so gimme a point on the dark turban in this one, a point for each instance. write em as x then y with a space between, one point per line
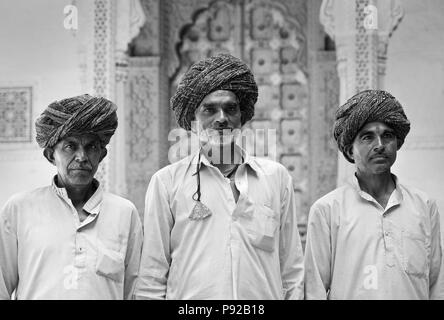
220 72
78 115
365 107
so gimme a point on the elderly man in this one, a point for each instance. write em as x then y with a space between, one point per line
373 238
71 240
220 224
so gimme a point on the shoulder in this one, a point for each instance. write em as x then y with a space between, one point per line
119 203
418 197
30 197
172 170
333 199
268 166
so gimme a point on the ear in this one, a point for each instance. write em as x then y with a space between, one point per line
104 153
349 152
49 155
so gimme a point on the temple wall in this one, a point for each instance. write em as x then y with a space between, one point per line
40 61
415 75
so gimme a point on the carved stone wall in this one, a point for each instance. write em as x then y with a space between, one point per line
15 114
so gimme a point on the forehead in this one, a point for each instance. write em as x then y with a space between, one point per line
81 138
219 96
376 126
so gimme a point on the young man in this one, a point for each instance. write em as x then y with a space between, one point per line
374 238
220 224
71 240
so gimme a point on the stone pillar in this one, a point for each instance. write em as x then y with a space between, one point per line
128 18
361 30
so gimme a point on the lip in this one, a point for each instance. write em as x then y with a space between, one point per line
379 157
80 169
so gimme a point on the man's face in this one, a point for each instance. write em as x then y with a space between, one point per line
374 148
218 115
77 159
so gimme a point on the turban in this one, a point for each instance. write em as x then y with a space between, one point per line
365 107
77 115
220 72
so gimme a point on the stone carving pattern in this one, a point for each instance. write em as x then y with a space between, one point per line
15 114
365 40
102 26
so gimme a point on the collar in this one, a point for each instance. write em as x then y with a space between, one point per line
247 159
92 206
395 198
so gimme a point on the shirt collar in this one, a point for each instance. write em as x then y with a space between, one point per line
92 206
395 198
247 159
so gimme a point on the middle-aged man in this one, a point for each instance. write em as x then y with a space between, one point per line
373 238
71 240
220 224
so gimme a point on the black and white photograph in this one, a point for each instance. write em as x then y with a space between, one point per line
221 150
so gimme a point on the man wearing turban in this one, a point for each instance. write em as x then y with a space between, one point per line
220 223
374 238
71 240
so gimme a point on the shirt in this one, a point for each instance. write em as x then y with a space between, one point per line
47 253
356 249
245 250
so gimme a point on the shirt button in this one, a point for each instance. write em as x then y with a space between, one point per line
386 233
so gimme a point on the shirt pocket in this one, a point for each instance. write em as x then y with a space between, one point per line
415 254
261 228
110 264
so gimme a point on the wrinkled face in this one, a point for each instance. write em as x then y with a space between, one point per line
77 159
218 115
374 148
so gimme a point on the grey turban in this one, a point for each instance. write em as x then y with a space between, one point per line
364 107
220 72
77 115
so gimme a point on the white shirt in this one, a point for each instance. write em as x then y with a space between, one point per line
245 250
356 249
47 253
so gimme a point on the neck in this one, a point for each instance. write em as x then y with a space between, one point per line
223 157
79 195
377 185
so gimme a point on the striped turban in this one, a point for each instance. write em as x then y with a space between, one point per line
77 115
220 72
365 107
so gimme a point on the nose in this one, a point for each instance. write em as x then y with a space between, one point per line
221 118
379 144
80 155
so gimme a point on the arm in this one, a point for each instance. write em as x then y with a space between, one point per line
290 249
317 260
133 252
8 251
156 255
436 274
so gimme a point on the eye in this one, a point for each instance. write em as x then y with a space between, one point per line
69 146
366 137
389 135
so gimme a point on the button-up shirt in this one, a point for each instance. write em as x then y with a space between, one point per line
356 249
47 253
245 250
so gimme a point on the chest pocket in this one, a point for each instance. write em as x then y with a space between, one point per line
261 226
110 264
415 254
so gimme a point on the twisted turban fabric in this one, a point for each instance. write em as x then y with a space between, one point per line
78 115
220 72
365 107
